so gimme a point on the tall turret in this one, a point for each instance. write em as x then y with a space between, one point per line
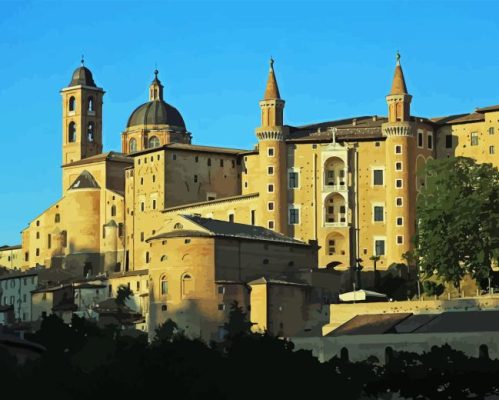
400 164
272 157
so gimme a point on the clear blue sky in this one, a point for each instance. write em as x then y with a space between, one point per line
333 60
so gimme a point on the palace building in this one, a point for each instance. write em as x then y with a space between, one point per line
311 196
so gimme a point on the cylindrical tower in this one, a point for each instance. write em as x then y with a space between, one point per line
400 147
272 174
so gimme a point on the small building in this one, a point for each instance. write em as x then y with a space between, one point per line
199 266
11 257
15 291
58 300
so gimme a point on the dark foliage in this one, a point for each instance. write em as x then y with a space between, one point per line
83 361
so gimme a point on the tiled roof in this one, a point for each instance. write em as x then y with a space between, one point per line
225 229
191 147
488 109
459 119
110 156
14 247
370 324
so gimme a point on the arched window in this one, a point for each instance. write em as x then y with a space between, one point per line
483 352
72 104
389 355
90 103
72 132
187 285
113 211
132 145
344 354
153 142
164 286
178 225
163 258
90 131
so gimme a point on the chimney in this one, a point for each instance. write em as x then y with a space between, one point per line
354 121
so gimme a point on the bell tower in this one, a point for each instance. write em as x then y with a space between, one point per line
271 136
81 117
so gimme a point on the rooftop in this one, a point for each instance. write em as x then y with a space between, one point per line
190 147
109 156
225 229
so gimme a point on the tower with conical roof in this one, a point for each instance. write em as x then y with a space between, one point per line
271 136
81 117
400 164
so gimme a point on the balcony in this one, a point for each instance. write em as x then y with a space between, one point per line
337 222
337 186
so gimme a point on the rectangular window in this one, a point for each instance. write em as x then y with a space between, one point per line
141 236
379 247
379 213
399 201
474 139
491 130
221 290
377 177
294 216
270 152
174 157
398 183
221 307
195 178
154 204
253 217
270 224
400 221
221 163
398 149
400 239
142 206
420 139
231 217
398 166
492 150
270 170
448 141
430 141
37 252
270 205
209 162
270 188
293 180
49 241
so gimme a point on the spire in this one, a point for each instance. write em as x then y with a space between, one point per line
156 88
272 90
398 85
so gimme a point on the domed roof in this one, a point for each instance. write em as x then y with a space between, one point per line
82 76
156 112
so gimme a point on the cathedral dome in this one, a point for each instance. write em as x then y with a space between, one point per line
156 112
82 76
